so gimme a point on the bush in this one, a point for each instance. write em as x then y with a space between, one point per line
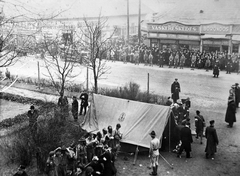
18 148
131 91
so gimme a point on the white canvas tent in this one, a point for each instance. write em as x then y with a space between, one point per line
137 119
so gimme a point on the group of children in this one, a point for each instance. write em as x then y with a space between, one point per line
94 154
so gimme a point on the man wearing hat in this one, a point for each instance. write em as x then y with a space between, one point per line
21 171
33 116
175 89
186 139
212 140
154 152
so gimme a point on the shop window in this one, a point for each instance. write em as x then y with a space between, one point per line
225 48
235 49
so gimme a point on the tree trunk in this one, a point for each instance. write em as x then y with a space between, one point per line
96 85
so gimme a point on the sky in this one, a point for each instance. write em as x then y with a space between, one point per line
73 8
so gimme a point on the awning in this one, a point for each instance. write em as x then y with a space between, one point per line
208 36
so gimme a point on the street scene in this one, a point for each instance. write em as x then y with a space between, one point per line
122 88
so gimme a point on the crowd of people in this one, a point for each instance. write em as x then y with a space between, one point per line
181 58
180 110
94 154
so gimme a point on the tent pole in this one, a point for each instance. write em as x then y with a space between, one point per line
136 154
169 136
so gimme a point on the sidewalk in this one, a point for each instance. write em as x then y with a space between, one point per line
44 94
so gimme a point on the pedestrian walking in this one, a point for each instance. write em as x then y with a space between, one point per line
230 116
186 140
199 124
212 140
154 152
75 108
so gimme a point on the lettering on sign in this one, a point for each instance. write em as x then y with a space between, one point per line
215 29
173 27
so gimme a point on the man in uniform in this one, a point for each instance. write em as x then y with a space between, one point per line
175 89
154 152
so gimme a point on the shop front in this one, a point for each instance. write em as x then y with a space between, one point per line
174 35
216 37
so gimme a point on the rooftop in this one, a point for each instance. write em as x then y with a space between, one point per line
200 12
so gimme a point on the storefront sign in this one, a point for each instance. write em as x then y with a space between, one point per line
173 27
236 29
215 29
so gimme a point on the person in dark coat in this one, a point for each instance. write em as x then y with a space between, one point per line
175 89
212 140
33 116
237 94
215 71
84 102
230 117
186 139
199 124
161 59
75 108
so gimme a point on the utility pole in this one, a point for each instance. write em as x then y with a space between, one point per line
127 21
147 86
38 75
87 79
139 23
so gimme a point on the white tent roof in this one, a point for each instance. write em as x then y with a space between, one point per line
137 119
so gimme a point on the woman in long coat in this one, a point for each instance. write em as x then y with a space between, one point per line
230 117
212 140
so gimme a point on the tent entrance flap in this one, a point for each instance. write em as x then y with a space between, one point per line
137 119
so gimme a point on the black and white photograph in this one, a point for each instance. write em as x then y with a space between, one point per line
119 87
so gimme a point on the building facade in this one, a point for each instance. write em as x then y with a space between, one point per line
208 37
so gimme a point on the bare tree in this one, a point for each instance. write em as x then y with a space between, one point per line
96 41
60 57
18 30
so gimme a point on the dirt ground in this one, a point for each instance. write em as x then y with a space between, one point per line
207 94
